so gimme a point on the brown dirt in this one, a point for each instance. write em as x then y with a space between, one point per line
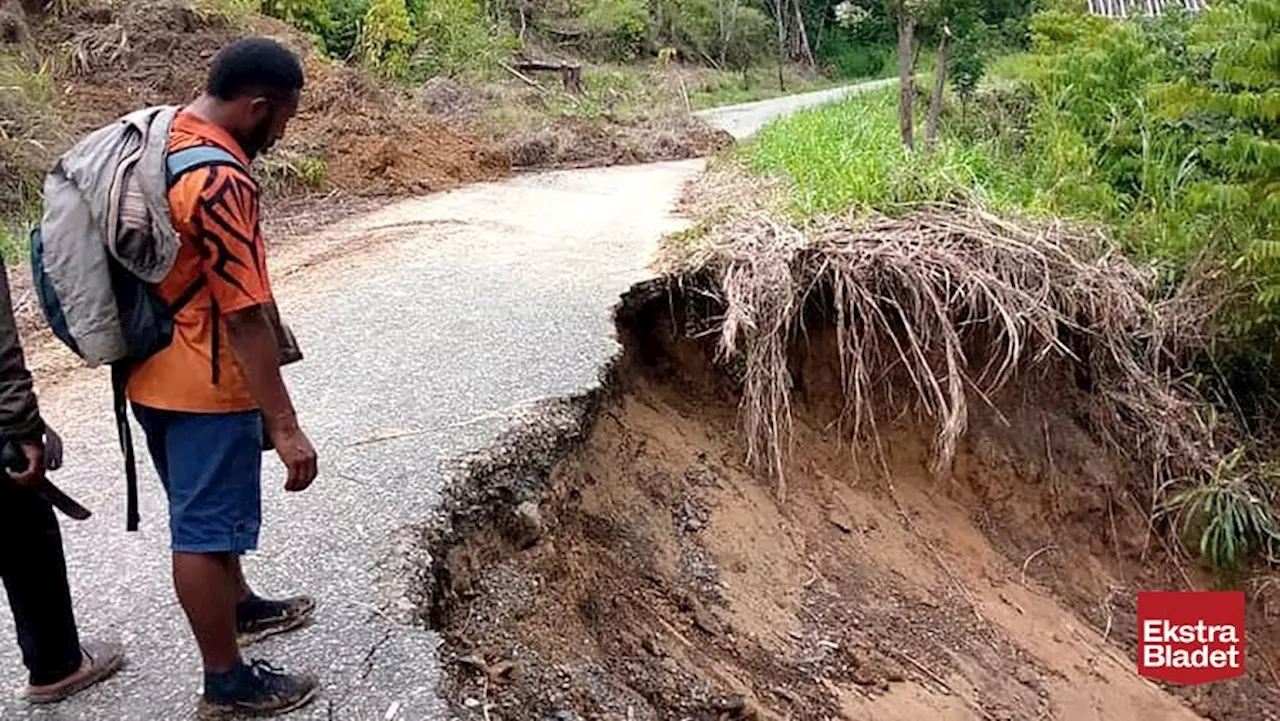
637 568
371 136
537 132
587 142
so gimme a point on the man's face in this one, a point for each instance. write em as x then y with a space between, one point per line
266 118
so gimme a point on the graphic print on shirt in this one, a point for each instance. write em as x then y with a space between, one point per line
223 233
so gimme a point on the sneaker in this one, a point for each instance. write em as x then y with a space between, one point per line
99 661
254 690
257 618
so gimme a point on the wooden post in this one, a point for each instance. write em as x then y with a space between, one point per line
939 87
906 77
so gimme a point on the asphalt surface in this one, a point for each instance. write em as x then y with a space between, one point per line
424 324
469 305
742 121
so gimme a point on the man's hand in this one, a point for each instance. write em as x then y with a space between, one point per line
33 475
297 454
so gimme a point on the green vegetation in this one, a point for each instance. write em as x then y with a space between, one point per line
28 124
850 154
287 170
1165 130
417 39
1231 516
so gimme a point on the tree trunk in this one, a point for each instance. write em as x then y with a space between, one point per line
939 85
727 36
906 78
781 16
805 51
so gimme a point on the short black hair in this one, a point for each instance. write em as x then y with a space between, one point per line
253 64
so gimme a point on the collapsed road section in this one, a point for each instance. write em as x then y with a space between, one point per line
868 477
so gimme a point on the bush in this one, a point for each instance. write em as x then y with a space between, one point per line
753 38
386 38
860 42
690 24
344 33
453 36
852 59
1227 101
1174 124
617 29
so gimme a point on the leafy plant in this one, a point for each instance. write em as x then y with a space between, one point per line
1234 109
1233 512
311 16
344 32
386 38
453 36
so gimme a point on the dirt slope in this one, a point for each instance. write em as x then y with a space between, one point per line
651 575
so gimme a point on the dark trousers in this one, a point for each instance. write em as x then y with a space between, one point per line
35 577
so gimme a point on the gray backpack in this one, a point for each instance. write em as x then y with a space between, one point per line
105 239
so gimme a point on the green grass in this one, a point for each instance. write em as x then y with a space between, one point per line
850 154
30 131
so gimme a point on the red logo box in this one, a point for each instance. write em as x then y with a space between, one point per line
1191 637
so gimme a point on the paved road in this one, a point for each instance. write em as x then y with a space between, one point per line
430 319
474 302
742 121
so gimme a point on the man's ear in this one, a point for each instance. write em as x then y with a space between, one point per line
259 108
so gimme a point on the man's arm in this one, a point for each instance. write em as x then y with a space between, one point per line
253 341
19 412
235 270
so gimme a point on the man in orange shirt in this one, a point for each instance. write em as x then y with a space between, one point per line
203 400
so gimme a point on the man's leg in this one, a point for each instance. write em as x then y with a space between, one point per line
206 587
35 577
212 471
243 592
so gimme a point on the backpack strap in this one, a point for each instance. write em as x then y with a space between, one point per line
180 162
120 371
119 382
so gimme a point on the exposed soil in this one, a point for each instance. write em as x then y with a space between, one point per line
520 122
624 563
588 142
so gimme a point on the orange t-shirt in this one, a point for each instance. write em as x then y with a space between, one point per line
215 211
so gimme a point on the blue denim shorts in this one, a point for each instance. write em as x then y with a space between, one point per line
211 468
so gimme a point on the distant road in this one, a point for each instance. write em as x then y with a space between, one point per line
742 121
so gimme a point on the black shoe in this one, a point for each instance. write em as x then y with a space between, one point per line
254 690
258 618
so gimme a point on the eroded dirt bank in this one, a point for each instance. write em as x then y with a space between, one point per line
621 561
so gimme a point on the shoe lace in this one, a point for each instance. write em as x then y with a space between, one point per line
268 674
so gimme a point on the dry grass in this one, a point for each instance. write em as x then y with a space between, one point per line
953 302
